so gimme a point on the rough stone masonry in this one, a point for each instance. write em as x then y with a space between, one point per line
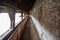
47 12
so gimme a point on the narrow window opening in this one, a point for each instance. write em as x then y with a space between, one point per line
17 18
4 23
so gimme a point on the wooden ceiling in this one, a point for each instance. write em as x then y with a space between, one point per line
25 5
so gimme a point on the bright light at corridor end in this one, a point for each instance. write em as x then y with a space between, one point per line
43 33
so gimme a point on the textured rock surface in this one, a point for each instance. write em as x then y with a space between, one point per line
47 12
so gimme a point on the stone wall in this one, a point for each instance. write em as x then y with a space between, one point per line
47 12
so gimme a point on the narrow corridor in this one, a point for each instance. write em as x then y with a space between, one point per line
30 32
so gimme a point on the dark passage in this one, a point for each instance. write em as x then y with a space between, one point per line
29 32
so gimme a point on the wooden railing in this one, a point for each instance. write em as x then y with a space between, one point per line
16 33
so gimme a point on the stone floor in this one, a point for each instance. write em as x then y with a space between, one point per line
29 32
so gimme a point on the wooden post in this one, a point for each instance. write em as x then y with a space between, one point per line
12 18
22 15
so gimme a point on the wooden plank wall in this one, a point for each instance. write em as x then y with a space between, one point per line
17 33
